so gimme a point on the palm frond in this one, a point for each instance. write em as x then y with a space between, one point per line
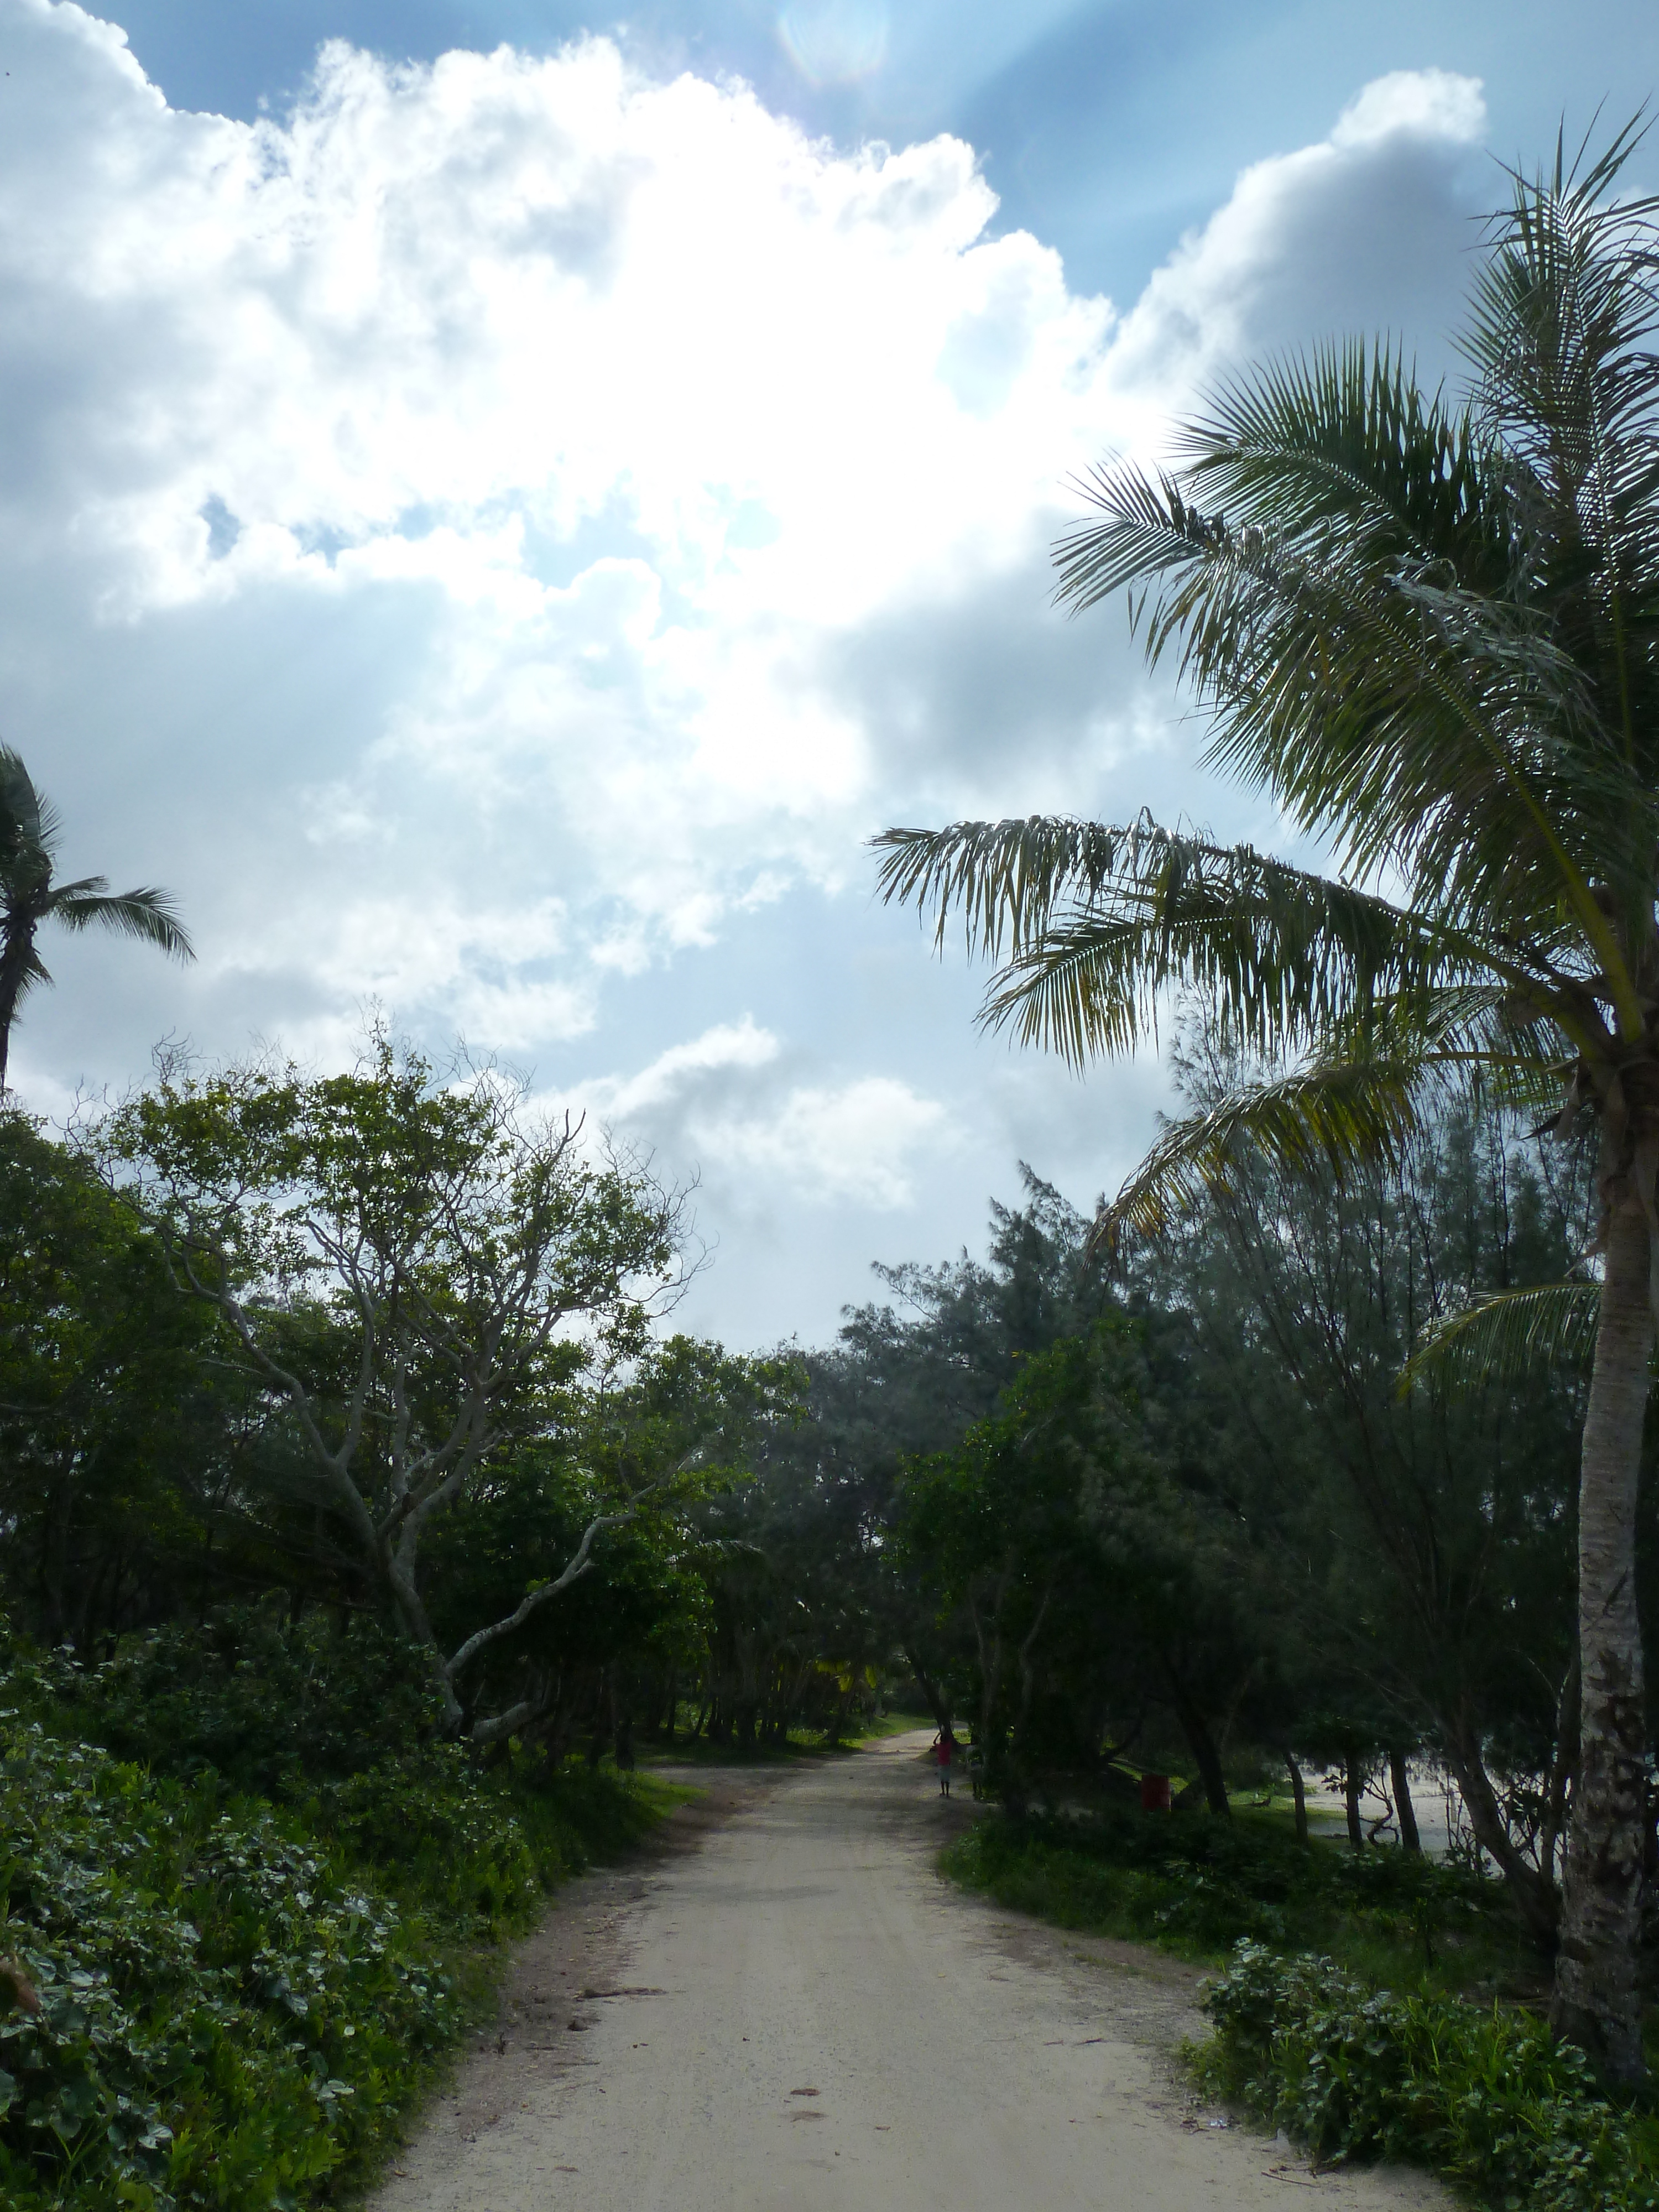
27 819
1339 1116
1507 1336
1342 621
1566 306
1096 925
1148 529
146 913
32 971
1342 436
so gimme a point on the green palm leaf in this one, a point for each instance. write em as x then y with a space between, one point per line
1340 1115
148 913
1506 1336
1100 924
29 831
26 820
1337 621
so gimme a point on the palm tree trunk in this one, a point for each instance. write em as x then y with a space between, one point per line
1596 2003
13 957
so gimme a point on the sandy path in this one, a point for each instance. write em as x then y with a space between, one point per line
799 2016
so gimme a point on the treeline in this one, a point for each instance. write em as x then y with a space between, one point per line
377 1347
381 1349
1180 1504
352 1470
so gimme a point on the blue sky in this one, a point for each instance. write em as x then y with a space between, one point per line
497 510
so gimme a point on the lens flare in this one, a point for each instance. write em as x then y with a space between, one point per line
834 41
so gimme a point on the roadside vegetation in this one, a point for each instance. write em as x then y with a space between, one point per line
236 1956
1484 2093
1370 2004
1196 1887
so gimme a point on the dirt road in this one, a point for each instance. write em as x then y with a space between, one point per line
799 2016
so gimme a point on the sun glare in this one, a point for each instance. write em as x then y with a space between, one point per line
834 41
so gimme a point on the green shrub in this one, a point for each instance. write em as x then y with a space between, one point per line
1483 2095
225 2017
273 1706
238 2000
437 1833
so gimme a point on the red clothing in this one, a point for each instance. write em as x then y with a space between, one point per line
945 1754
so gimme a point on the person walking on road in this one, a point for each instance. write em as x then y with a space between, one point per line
942 1751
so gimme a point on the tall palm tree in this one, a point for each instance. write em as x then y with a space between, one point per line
29 830
1430 631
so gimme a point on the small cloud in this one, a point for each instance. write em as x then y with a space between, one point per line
684 1067
857 1141
1432 102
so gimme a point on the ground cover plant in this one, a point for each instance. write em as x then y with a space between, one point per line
1483 2094
216 1997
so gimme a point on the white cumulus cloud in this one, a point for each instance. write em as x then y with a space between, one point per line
501 537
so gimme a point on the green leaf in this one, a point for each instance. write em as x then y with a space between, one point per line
1341 1114
1507 1335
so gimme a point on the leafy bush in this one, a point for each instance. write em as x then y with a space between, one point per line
223 2018
1482 2094
208 2000
273 1707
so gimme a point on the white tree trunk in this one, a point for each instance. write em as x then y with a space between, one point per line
1596 2003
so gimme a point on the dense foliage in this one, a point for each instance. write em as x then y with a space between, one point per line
218 1998
1484 2093
1198 1885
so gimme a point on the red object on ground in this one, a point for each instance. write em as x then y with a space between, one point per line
1154 1793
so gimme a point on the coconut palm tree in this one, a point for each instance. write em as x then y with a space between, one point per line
29 830
1430 631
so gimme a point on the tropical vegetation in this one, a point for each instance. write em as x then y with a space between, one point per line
1427 629
30 894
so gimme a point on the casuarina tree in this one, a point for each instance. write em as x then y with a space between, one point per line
1430 631
29 831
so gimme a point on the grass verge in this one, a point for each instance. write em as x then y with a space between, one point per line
1196 1886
